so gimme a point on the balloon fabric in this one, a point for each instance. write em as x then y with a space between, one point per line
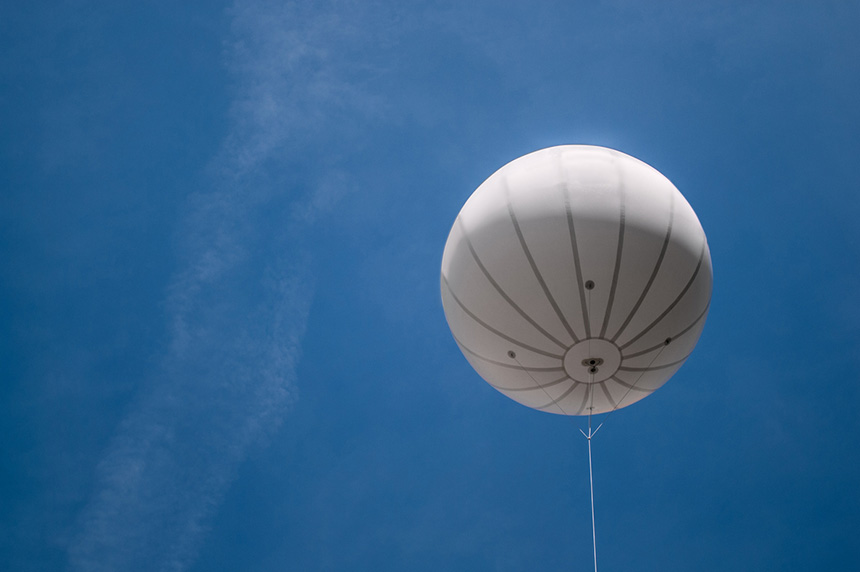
576 280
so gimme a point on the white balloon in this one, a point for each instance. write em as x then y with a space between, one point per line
576 279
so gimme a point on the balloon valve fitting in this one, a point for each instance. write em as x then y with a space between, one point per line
592 363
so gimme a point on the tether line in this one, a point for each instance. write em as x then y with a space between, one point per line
591 487
588 436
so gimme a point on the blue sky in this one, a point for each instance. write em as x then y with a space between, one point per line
221 336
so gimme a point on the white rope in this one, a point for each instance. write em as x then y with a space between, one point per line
591 471
590 434
588 437
591 484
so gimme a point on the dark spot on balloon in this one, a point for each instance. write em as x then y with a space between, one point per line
512 354
668 340
589 285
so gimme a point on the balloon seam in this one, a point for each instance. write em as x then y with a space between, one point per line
673 337
655 271
501 364
502 293
534 268
617 266
576 263
674 303
492 329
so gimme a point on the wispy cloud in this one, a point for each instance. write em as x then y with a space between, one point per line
239 305
300 66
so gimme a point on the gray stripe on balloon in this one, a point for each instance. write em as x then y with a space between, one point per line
655 367
614 285
619 381
502 364
492 329
534 267
671 338
656 268
606 393
677 299
502 293
576 263
536 387
563 395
